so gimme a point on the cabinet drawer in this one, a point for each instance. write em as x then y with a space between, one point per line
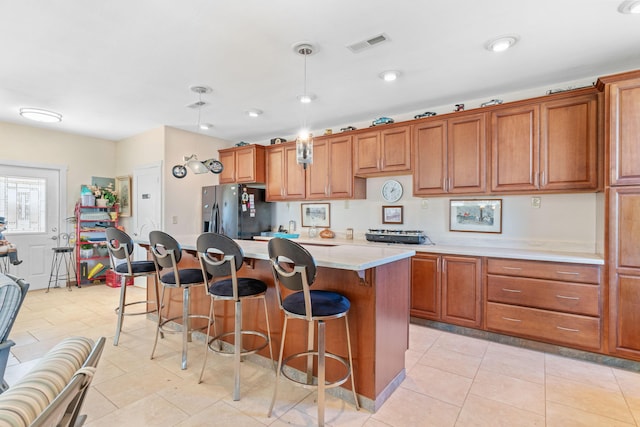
561 296
545 270
561 328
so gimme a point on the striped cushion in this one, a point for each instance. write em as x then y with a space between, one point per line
10 295
24 401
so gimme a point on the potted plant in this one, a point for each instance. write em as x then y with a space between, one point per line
105 196
86 248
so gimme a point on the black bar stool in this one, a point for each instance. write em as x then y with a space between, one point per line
120 246
221 257
167 253
295 269
62 264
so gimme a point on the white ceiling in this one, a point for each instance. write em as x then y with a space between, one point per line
117 68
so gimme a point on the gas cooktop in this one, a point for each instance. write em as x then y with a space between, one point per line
416 237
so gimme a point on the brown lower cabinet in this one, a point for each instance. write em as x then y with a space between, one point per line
447 288
559 303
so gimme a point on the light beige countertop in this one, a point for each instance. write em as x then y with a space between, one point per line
343 256
487 251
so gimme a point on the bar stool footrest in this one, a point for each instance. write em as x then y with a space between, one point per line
164 322
137 313
305 384
244 352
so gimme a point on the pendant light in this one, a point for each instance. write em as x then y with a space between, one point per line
304 141
200 90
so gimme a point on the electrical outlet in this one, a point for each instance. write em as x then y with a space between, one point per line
174 219
346 204
535 202
424 204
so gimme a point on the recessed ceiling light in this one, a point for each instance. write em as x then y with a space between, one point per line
254 112
502 43
205 126
40 115
307 98
390 76
629 6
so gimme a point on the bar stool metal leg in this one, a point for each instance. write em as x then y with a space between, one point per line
123 297
186 325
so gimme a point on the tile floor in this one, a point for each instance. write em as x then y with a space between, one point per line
451 380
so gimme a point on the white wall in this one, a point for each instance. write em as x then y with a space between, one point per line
564 222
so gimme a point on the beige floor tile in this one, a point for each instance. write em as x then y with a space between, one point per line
96 405
563 416
151 411
222 415
580 371
421 338
436 383
515 362
512 391
629 383
462 344
406 408
481 412
462 364
588 398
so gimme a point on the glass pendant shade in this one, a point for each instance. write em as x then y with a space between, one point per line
304 149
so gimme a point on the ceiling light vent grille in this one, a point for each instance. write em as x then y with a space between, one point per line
366 44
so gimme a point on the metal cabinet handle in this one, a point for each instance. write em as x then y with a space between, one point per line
573 273
516 291
512 268
567 329
565 297
511 319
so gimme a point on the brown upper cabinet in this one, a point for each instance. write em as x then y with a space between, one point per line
285 177
331 173
548 145
622 127
450 155
241 165
382 152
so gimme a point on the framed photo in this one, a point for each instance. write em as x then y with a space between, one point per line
482 216
123 187
318 214
392 215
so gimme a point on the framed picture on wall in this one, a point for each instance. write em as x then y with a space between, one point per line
482 216
123 187
392 215
318 214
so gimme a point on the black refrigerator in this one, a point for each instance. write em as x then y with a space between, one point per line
235 210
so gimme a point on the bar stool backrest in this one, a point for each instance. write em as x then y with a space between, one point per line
166 252
120 246
293 267
219 255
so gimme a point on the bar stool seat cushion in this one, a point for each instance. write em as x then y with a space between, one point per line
246 287
188 276
323 303
137 267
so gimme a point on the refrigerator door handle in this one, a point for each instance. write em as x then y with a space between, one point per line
214 224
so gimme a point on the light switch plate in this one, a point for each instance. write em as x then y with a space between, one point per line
424 204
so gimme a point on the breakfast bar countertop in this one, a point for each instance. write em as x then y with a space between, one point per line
342 256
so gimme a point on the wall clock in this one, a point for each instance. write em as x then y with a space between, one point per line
391 191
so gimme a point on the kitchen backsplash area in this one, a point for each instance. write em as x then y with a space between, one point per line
562 222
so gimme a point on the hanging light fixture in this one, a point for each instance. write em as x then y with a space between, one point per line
304 141
200 90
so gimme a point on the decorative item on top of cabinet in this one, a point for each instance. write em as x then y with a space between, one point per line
383 152
546 301
242 165
450 156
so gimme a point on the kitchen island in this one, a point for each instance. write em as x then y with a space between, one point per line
375 279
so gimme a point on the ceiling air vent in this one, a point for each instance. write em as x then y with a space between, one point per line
366 44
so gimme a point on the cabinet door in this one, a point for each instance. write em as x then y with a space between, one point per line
430 165
366 153
514 148
275 174
624 265
250 164
294 183
461 291
317 179
228 174
467 154
341 185
425 286
395 144
624 132
568 143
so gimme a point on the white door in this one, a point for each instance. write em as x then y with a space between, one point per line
31 200
147 203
